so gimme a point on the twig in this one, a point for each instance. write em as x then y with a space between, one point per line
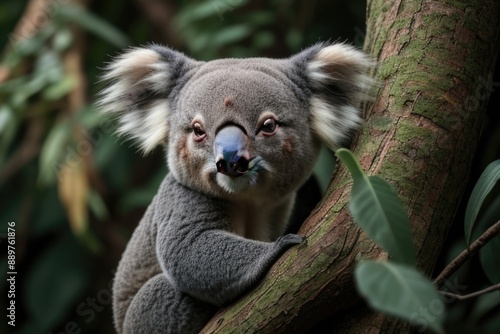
466 254
470 295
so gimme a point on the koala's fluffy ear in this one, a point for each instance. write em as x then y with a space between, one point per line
139 83
339 83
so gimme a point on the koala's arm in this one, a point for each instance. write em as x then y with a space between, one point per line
197 253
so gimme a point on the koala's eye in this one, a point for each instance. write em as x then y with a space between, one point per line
269 127
198 132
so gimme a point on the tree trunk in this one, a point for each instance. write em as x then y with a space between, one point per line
436 60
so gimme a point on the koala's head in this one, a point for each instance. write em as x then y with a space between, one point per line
238 127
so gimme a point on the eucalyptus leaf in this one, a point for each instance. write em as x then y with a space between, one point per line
26 45
62 39
89 117
486 182
60 88
376 208
489 217
8 130
200 11
401 291
6 117
489 254
10 86
97 205
49 66
52 151
33 85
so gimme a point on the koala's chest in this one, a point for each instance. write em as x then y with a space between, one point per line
259 221
250 221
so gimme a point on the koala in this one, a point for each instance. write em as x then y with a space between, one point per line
240 137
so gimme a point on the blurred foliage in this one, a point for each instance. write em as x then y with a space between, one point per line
74 191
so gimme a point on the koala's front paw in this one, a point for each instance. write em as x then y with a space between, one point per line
290 240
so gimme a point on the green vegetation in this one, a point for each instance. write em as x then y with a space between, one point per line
75 192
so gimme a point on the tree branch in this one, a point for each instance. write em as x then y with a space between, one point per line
453 266
417 135
471 295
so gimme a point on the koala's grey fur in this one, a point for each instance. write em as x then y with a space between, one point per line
208 237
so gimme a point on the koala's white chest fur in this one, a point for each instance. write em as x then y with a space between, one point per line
263 220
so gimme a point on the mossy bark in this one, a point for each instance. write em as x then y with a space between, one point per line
436 60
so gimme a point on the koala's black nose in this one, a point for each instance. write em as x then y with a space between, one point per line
231 154
237 168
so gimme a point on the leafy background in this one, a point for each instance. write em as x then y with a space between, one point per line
76 192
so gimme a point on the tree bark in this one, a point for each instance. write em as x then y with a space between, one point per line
436 60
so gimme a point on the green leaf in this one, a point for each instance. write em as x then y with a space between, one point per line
13 85
10 127
94 24
97 205
401 291
33 85
489 254
351 163
231 34
52 151
196 12
62 39
377 209
49 65
55 282
6 117
193 13
29 45
89 118
490 216
486 182
60 88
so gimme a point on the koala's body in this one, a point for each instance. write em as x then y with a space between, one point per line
241 136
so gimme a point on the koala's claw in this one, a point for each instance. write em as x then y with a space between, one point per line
290 240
